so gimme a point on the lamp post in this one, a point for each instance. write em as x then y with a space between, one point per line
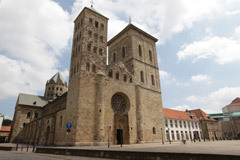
19 136
169 136
109 128
162 135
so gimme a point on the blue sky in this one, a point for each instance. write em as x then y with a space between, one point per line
198 47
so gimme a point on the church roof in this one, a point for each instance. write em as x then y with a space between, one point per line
32 100
128 27
57 78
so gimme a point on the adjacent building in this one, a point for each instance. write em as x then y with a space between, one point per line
121 99
181 125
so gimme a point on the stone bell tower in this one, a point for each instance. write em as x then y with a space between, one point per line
87 70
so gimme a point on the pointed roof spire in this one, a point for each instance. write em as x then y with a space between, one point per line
58 78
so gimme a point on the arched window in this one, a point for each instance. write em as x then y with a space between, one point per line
94 68
24 124
150 56
114 57
36 115
28 114
90 20
123 52
90 33
89 47
60 122
154 130
101 38
141 76
87 66
152 77
125 78
130 80
100 51
140 50
117 75
110 73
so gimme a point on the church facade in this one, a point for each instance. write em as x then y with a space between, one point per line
120 100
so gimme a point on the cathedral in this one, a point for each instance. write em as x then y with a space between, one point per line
113 91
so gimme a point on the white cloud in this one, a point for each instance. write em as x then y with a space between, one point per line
201 78
215 101
34 35
160 18
182 108
222 49
230 13
164 74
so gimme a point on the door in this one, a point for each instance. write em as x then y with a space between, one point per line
119 136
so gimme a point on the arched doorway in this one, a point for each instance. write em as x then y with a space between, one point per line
120 105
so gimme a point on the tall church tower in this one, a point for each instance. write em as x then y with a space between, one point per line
87 70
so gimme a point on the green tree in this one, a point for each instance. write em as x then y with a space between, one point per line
6 122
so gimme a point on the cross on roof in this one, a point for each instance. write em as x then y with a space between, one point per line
91 1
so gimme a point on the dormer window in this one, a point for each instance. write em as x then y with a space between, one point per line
34 102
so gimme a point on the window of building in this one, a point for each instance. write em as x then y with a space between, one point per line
87 66
192 125
130 79
36 115
89 47
101 38
166 122
102 26
125 78
60 89
176 123
186 133
28 114
94 49
114 57
153 82
180 124
57 88
96 24
196 125
178 135
140 50
171 123
173 136
150 56
24 124
90 34
123 52
49 88
90 21
110 73
94 68
184 123
141 76
117 75
52 88
188 124
56 95
100 51
154 130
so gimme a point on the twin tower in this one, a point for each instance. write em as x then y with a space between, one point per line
121 99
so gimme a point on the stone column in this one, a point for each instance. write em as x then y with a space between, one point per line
99 111
139 116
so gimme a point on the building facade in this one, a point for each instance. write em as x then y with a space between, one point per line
121 99
180 125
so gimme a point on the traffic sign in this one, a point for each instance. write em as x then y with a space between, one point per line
69 125
68 130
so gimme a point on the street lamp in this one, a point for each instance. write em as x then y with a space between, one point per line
19 136
162 135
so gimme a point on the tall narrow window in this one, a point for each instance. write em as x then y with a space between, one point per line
125 78
90 34
102 26
140 50
87 66
95 36
154 130
123 52
95 50
36 115
114 57
90 21
28 114
96 24
130 80
60 122
117 75
152 77
100 51
94 68
110 73
89 47
141 76
150 56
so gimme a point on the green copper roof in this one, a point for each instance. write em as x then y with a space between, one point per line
32 100
58 78
236 114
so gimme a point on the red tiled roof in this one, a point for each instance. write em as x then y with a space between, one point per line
175 114
6 128
200 113
235 102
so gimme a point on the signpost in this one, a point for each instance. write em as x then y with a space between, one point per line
68 125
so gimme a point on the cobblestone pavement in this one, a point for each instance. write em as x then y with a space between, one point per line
7 155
